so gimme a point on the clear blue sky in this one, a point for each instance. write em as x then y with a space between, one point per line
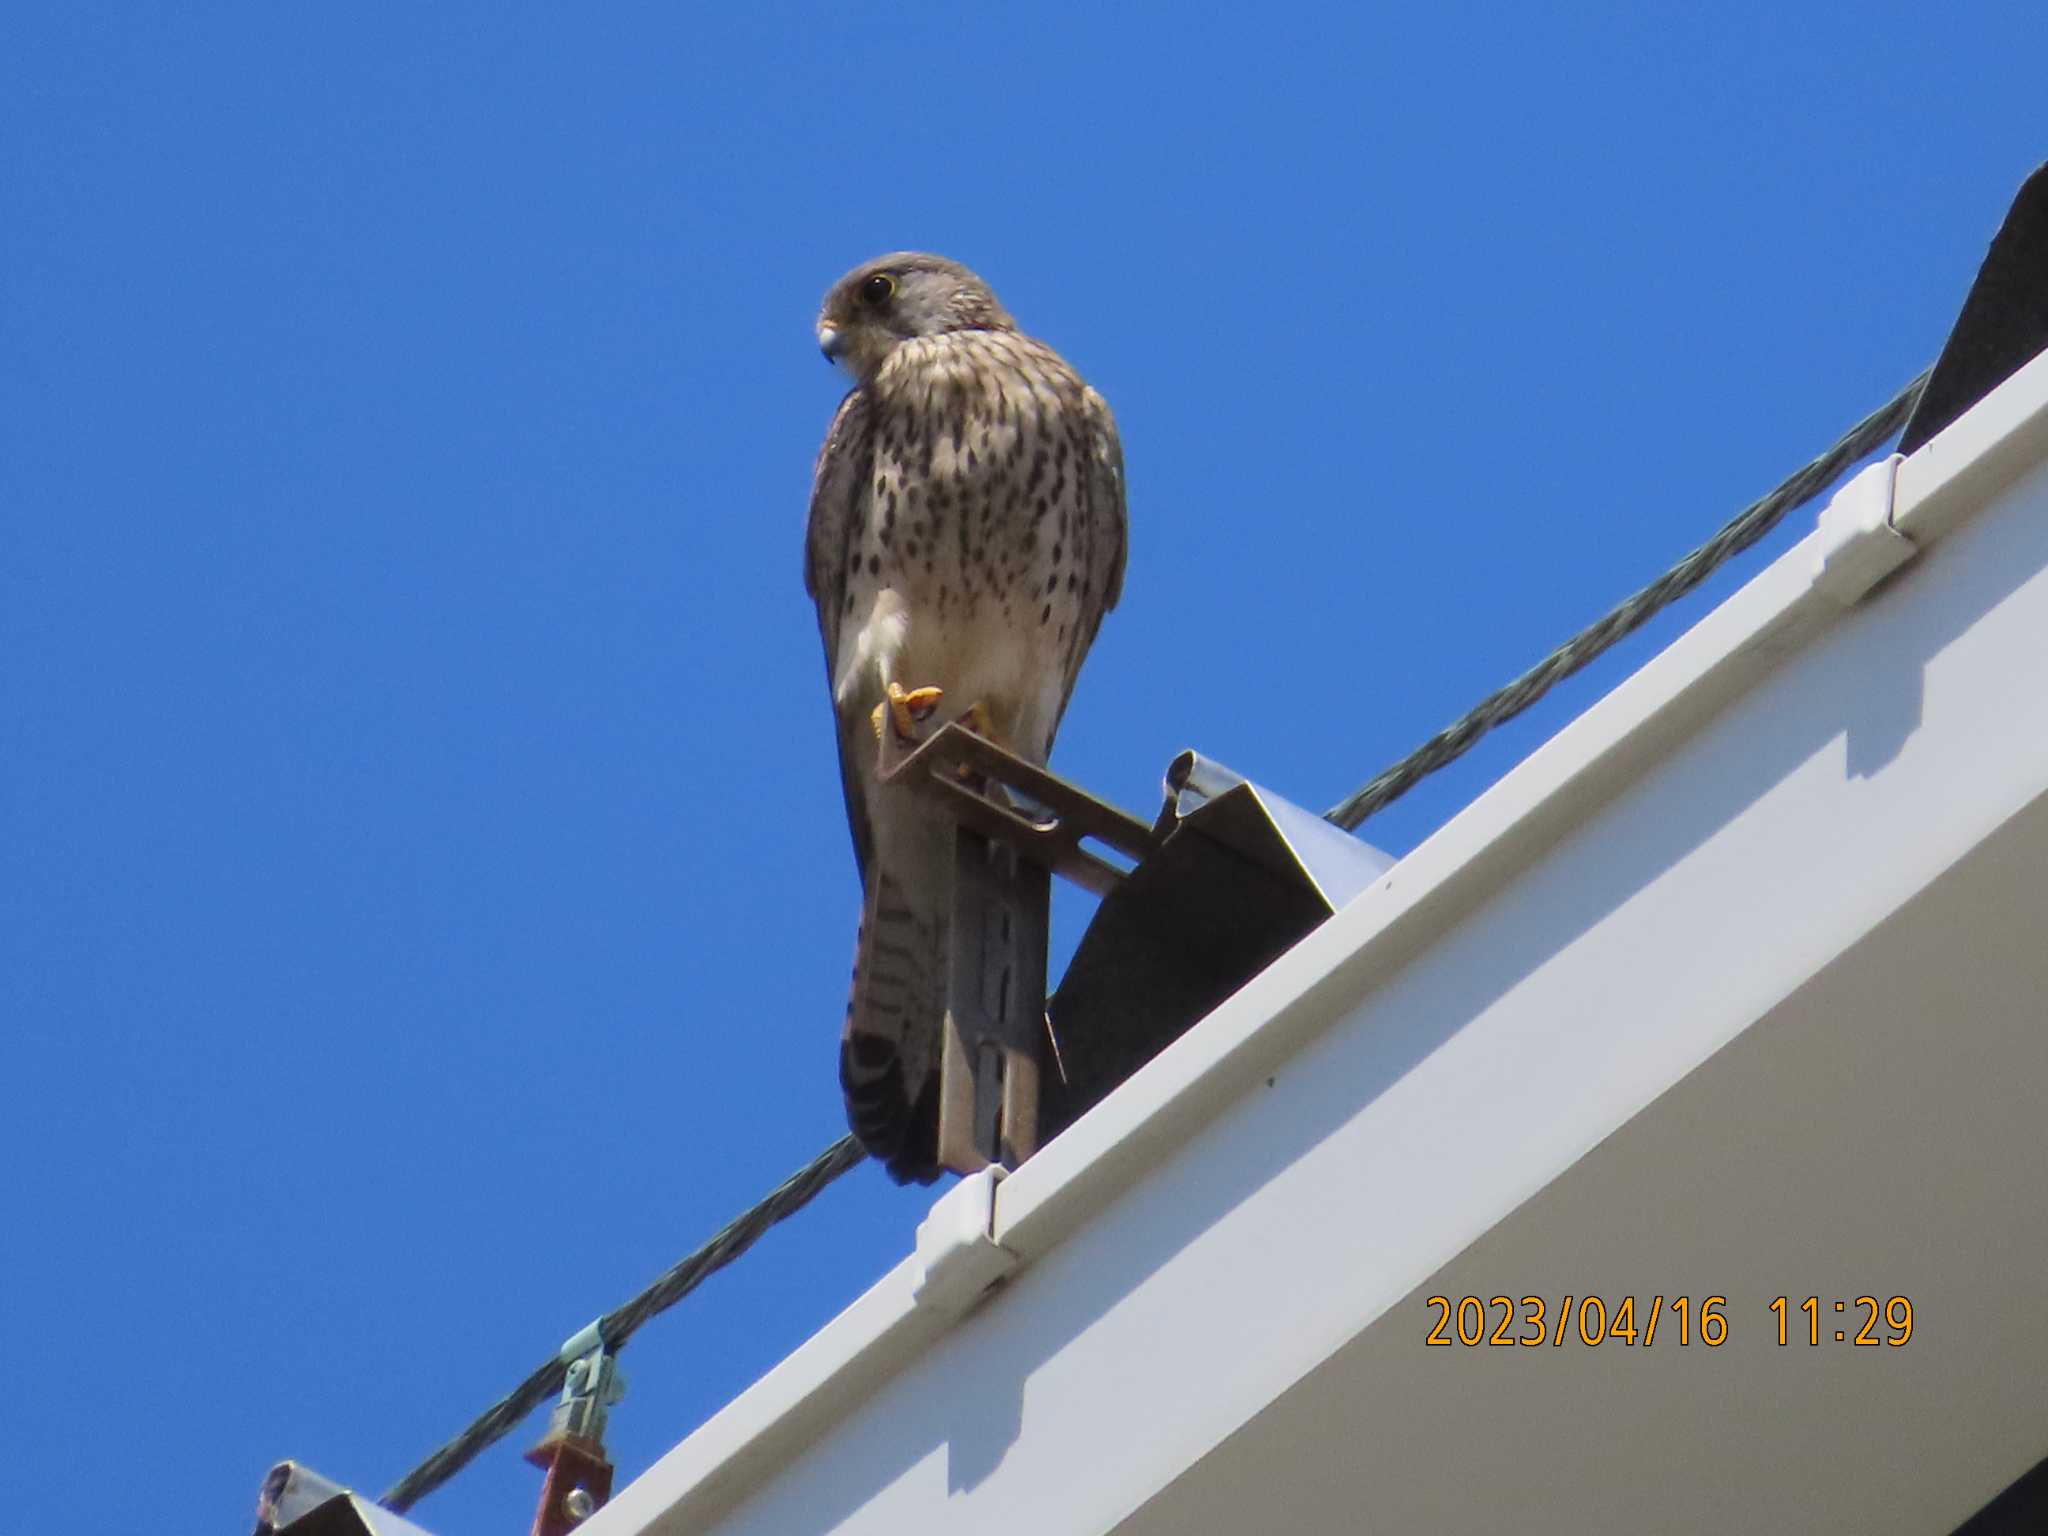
425 899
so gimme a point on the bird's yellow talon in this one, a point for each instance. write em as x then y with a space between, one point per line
908 710
919 701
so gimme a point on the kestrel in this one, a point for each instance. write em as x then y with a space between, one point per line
966 536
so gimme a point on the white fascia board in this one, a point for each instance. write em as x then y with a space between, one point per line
1536 803
1589 766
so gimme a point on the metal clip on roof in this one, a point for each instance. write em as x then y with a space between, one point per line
2004 321
297 1501
1238 874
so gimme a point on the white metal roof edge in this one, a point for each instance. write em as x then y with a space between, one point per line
1294 999
1538 801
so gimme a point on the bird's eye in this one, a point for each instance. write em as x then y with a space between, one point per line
879 289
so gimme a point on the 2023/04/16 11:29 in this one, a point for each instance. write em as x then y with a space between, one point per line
1533 1321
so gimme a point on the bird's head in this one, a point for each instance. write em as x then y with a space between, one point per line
892 298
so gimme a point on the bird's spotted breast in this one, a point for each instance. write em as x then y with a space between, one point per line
981 439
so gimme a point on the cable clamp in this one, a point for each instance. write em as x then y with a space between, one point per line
594 1383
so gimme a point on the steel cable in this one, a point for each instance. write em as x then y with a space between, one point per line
1749 525
619 1325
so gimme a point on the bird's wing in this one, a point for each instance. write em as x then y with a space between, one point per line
1106 502
838 488
1108 520
888 1058
836 484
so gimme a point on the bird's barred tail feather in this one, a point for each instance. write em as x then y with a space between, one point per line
889 1052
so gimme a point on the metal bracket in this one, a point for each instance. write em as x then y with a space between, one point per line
1042 816
579 1476
1016 825
995 1006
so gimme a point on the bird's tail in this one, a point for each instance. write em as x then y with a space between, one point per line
895 1011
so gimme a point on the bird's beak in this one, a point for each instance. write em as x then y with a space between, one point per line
832 342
